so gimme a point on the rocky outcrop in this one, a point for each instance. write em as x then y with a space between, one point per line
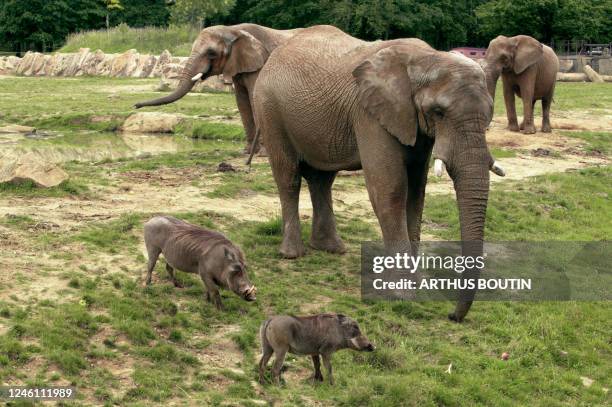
30 168
151 122
96 63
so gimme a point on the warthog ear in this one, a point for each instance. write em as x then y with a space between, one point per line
229 254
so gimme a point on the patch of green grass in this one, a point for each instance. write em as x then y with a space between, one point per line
234 184
502 153
599 143
30 189
210 130
567 206
150 40
84 121
112 236
596 98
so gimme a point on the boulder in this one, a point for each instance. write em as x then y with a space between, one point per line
30 168
571 77
25 63
124 64
164 58
592 74
151 122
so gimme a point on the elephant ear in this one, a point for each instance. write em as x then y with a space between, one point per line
528 52
246 54
385 92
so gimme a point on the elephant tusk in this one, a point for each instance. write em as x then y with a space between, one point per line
197 77
497 169
438 167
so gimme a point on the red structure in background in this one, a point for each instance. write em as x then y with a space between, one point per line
471 52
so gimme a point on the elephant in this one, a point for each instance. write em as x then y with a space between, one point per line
529 70
238 52
326 102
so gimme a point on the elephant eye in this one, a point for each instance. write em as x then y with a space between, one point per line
437 111
211 53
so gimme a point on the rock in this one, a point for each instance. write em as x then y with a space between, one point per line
586 382
172 71
30 168
540 152
164 58
571 77
225 167
124 64
592 74
16 128
151 122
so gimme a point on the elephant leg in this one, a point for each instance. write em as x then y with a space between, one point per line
246 114
324 234
510 107
384 165
528 105
546 102
285 169
522 126
417 180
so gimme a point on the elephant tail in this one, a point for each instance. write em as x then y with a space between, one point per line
254 145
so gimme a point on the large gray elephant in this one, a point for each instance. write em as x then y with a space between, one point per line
326 102
529 70
238 52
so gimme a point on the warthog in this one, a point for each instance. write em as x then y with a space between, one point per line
192 249
312 335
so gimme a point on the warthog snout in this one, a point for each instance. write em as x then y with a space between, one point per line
250 293
362 343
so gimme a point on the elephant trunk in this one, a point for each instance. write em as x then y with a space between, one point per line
470 174
492 74
186 83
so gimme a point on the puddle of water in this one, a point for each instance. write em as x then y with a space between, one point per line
93 146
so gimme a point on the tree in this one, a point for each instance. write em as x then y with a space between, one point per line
111 5
195 12
43 24
142 13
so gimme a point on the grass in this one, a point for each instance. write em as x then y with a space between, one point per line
73 309
147 40
29 188
593 98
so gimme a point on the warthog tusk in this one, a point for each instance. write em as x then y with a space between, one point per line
497 169
251 290
197 77
438 167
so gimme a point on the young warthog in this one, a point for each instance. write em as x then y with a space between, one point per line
192 249
312 335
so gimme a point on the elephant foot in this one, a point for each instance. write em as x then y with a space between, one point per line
453 317
513 127
529 130
546 128
291 250
333 245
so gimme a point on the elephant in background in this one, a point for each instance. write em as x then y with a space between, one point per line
529 70
238 52
326 102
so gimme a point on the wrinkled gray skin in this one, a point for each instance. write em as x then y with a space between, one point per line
326 102
192 249
238 52
529 71
316 335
